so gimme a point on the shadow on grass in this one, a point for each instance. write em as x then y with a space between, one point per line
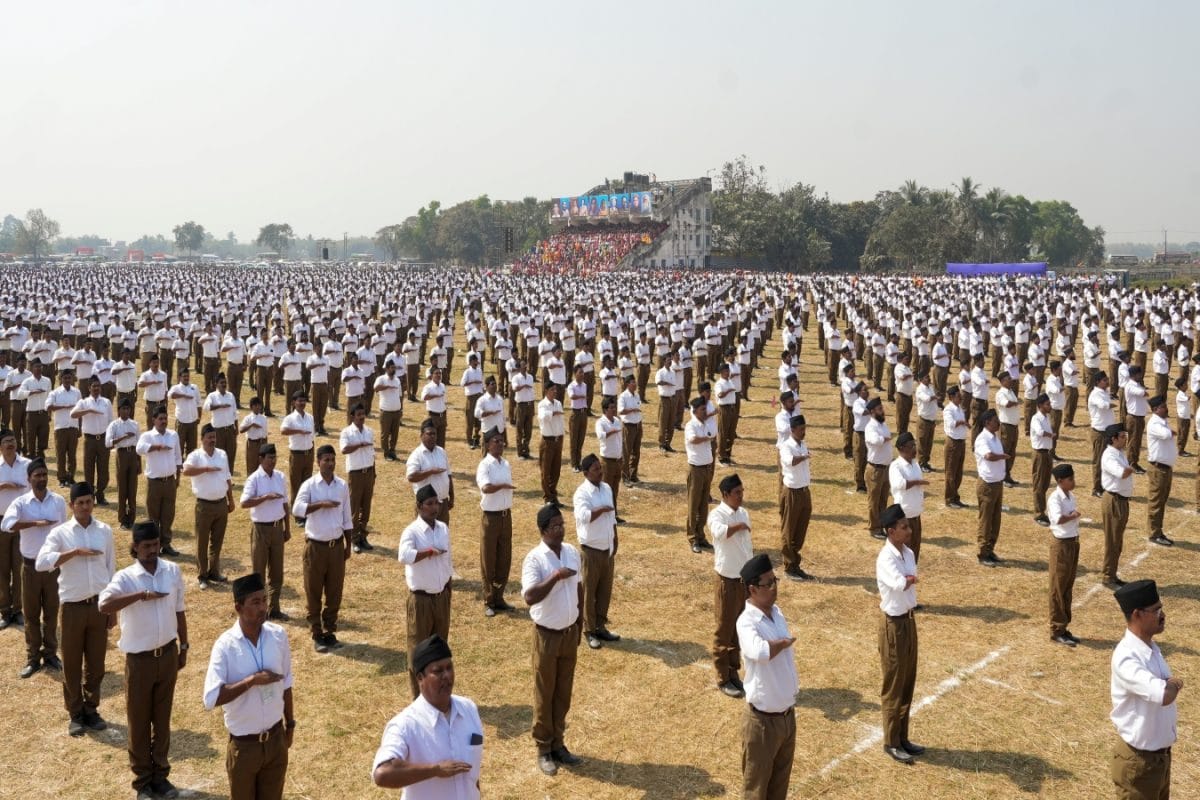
943 541
861 581
1182 591
1170 649
389 660
510 721
1189 546
1028 566
653 780
1027 772
838 705
673 654
983 613
662 529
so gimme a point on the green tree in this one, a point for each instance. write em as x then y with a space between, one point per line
276 237
189 237
1061 237
742 206
35 234
391 240
8 233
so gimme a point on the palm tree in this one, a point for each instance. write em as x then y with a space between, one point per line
913 193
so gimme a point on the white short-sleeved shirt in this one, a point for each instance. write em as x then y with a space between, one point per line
494 471
431 574
900 472
147 624
209 485
559 609
989 471
233 659
1139 680
896 596
423 735
771 683
1059 504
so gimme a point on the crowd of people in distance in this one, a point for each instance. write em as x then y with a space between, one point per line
588 248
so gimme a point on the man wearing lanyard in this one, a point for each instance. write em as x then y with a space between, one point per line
147 597
769 722
551 587
357 443
32 515
81 551
212 485
250 676
595 523
1143 697
164 461
265 495
327 532
896 576
433 748
494 479
424 551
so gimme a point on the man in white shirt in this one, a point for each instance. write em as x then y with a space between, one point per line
357 443
323 502
609 432
1041 442
147 597
433 748
265 495
186 397
878 440
795 505
907 483
896 577
153 383
665 381
33 392
729 526
551 586
1136 409
769 721
494 478
424 551
697 440
94 413
300 430
164 461
521 406
1100 415
1063 514
14 482
1116 477
928 415
1160 441
60 404
629 409
991 462
428 465
595 524
221 405
390 390
250 676
433 394
1143 692
905 388
551 425
82 552
1008 410
212 487
121 436
472 385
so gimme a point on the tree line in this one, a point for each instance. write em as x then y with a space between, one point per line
912 227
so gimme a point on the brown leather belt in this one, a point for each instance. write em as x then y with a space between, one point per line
770 713
259 737
156 652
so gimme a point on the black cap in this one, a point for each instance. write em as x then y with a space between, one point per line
428 651
905 438
1112 431
759 565
266 450
247 585
81 489
1157 401
729 483
787 396
425 492
891 515
874 403
1061 471
797 421
492 434
144 531
1137 594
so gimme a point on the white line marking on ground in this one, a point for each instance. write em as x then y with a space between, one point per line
1011 688
943 688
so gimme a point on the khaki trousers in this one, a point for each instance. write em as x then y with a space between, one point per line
726 424
236 376
1064 561
227 441
699 482
65 440
577 429
495 555
84 639
1097 452
924 441
187 436
898 657
263 387
212 517
324 575
1160 492
389 430
1008 441
149 697
129 466
320 404
472 423
1072 404
266 557
877 494
553 657
1114 514
1140 774
597 578
37 433
524 426
904 405
1042 464
300 469
795 513
550 466
252 446
1137 429
439 424
914 544
990 497
362 491
160 505
39 605
768 749
427 614
95 462
612 476
860 460
666 421
728 603
257 770
631 447
10 573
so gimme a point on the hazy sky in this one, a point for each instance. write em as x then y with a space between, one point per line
125 118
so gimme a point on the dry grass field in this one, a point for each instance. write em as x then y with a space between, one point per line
1003 711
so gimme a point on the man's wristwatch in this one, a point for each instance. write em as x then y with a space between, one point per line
183 647
290 724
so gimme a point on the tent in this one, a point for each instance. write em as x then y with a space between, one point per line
1031 268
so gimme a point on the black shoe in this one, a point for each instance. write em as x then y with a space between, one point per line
76 726
278 616
605 635
736 681
1072 637
1097 494
926 468
797 575
167 550
730 689
163 788
52 662
989 561
1139 471
1114 583
29 669
300 521
102 501
358 548
594 642
696 549
1161 539
956 504
1010 484
546 764
146 793
564 756
670 449
202 582
332 641
5 621
898 753
705 546
217 577
17 619
94 721
878 534
503 606
488 611
860 490
365 545
319 643
1043 520
127 525
1063 639
912 748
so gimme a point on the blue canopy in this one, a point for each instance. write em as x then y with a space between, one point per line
1030 268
